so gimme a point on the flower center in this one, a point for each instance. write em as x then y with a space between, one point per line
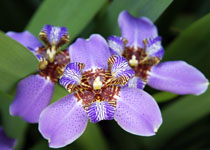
140 61
53 61
52 65
96 96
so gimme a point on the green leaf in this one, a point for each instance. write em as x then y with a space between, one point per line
179 115
164 96
150 8
13 126
193 45
59 92
16 62
73 14
86 141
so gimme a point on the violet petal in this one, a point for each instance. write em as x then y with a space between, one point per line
6 143
135 30
63 121
25 38
33 94
137 112
178 77
93 52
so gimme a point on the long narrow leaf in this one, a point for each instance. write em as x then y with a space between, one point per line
149 8
16 62
179 115
73 14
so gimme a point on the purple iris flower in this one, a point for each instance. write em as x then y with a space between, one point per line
141 46
95 80
34 93
6 143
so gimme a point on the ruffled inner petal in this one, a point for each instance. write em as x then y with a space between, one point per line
154 48
120 70
116 45
54 36
72 76
100 111
135 82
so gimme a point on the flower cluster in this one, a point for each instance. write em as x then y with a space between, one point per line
105 81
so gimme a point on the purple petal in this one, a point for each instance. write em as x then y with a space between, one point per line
33 94
93 52
52 35
120 69
72 75
25 38
154 47
116 45
135 30
63 121
178 77
137 112
100 111
6 143
135 82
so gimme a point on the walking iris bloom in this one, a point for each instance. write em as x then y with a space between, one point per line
96 80
6 143
34 93
141 46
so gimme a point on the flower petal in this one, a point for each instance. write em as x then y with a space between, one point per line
135 30
120 69
137 112
178 77
63 121
33 94
93 52
25 38
52 35
72 75
154 47
6 143
116 45
100 111
135 82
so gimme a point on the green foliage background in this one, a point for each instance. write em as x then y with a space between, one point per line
185 30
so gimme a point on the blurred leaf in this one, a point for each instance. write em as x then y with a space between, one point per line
150 8
40 145
92 138
13 126
179 115
193 45
16 62
59 92
74 15
164 96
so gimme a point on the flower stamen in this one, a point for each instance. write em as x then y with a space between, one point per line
133 61
97 84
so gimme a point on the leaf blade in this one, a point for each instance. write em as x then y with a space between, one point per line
65 13
16 62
